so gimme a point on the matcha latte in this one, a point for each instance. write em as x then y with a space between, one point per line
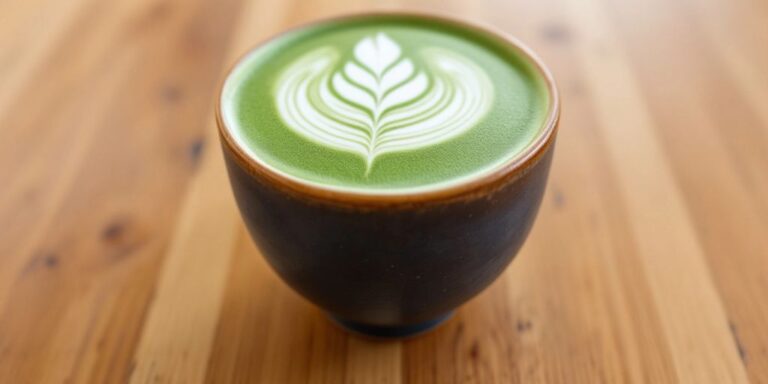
385 104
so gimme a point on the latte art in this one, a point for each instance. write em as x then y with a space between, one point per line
380 101
384 104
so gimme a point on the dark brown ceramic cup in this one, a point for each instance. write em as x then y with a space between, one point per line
393 266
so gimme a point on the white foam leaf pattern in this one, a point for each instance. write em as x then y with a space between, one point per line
377 53
380 102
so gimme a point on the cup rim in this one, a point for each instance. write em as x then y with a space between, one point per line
481 186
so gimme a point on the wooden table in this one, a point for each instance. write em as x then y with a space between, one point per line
123 257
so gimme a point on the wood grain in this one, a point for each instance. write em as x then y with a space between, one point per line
123 257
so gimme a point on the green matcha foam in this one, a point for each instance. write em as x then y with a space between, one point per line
385 104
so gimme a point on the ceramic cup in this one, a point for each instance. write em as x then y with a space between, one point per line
393 266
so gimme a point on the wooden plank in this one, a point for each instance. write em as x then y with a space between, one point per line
371 361
24 44
176 339
51 146
266 333
239 349
714 130
173 349
694 320
86 220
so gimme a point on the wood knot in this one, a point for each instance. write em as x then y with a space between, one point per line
51 260
48 260
121 240
474 350
556 33
114 231
196 150
524 326
558 198
171 94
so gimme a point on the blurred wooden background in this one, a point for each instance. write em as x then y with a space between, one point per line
123 258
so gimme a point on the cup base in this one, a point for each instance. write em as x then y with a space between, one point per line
390 332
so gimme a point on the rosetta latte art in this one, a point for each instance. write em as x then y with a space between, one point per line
379 101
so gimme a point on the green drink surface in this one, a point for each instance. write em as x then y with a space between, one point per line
385 104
